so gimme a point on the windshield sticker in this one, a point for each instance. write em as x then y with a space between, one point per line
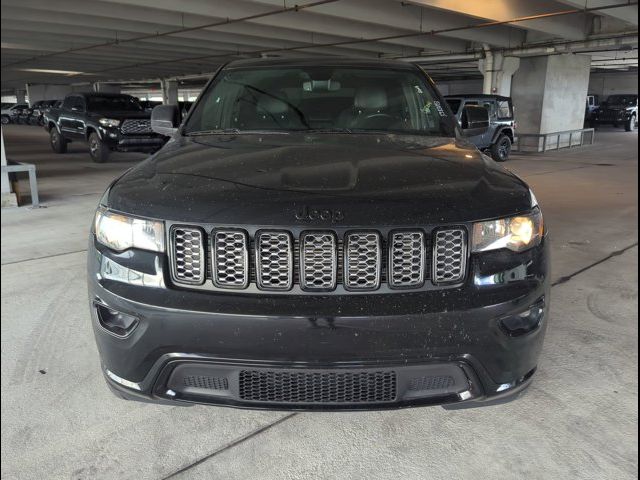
439 108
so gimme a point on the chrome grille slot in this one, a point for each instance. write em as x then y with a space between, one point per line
449 255
407 257
134 126
230 257
318 261
362 261
274 260
188 258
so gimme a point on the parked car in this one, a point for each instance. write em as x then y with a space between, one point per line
498 139
319 234
37 110
618 110
10 113
107 122
592 104
149 104
23 115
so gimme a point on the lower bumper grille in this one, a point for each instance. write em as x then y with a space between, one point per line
317 387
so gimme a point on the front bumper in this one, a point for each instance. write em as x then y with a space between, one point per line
324 352
612 116
131 143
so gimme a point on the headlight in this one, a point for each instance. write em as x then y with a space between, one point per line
120 232
109 122
515 233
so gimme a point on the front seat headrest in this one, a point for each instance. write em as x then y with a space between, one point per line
370 98
271 105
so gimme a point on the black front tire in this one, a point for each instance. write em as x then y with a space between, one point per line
501 149
6 120
98 150
630 124
58 142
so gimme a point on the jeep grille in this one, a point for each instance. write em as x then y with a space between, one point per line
316 261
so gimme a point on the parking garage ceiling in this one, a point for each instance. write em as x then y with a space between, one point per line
77 41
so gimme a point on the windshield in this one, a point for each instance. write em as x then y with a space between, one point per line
622 99
121 103
331 99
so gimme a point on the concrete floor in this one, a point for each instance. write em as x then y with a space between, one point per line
578 420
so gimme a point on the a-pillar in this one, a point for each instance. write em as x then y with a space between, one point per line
549 93
169 92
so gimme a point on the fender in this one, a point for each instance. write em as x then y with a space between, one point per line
501 129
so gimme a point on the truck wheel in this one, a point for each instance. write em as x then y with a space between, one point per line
6 120
501 149
58 143
630 124
98 150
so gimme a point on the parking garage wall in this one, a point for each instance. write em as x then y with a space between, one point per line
605 84
37 92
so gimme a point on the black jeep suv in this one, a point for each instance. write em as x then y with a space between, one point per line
319 235
618 110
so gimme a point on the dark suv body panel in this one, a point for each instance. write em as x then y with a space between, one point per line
246 345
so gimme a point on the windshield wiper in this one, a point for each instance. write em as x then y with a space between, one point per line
234 131
328 130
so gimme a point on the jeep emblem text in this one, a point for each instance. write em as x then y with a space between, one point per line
309 214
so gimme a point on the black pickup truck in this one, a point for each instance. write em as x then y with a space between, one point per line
107 122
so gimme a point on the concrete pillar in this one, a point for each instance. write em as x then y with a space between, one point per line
169 92
549 93
498 71
8 197
21 96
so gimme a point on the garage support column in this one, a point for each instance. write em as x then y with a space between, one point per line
169 92
21 96
549 93
8 197
498 71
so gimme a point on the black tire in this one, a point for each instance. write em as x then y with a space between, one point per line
6 120
57 141
630 124
98 150
501 149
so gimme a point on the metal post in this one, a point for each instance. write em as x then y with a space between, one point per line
33 187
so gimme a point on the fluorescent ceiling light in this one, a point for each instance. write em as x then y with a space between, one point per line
54 72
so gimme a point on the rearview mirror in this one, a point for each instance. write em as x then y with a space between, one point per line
165 119
474 120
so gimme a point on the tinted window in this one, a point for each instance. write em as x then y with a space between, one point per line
629 100
504 109
113 103
320 98
454 104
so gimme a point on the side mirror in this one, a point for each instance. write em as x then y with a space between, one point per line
165 119
474 120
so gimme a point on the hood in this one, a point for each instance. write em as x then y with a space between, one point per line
361 180
122 115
